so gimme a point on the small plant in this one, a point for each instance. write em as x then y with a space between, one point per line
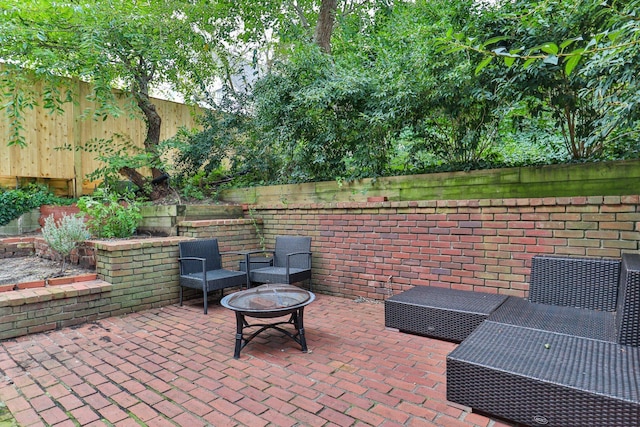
254 221
63 236
110 215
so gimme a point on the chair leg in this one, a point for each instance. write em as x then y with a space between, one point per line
181 295
205 302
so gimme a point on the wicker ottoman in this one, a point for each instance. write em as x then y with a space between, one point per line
442 313
545 378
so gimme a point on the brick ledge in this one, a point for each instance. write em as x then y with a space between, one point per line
36 295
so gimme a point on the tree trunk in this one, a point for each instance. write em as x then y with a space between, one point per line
324 28
159 186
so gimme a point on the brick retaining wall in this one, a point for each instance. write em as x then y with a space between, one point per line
377 249
44 309
144 272
371 250
234 235
12 247
135 274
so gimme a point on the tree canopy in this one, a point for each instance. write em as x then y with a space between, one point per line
110 44
343 89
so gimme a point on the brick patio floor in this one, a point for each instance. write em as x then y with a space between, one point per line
174 366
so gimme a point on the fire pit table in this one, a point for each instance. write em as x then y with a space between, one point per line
267 302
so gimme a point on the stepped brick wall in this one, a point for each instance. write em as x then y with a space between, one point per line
366 249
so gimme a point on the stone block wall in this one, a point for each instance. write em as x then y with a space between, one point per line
375 250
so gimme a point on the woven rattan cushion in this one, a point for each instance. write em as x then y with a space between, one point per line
449 314
567 320
537 377
575 282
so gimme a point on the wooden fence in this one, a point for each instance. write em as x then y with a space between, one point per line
65 170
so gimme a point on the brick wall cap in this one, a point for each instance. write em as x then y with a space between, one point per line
210 222
25 296
453 203
137 243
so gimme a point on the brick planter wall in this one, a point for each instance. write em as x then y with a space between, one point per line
143 272
43 309
378 249
12 247
134 275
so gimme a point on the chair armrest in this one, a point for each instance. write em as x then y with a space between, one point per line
191 258
257 251
299 253
201 260
247 259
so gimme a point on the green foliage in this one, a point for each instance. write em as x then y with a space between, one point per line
63 236
124 44
579 58
410 86
326 118
109 214
318 121
14 203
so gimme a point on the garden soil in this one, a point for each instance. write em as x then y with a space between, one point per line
26 269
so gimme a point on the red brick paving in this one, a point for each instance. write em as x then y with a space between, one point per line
174 366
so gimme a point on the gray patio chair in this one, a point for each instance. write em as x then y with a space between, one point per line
201 268
291 262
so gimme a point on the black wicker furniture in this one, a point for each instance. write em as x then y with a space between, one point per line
575 282
568 357
201 268
443 313
536 377
291 262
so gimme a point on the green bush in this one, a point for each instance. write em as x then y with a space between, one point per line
110 215
14 203
64 235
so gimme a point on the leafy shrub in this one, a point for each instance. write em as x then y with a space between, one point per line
110 215
14 203
64 235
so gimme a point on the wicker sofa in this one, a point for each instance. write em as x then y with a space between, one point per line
567 356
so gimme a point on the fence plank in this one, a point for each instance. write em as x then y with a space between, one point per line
45 131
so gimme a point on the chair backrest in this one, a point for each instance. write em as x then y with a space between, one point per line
289 244
575 282
628 315
201 248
